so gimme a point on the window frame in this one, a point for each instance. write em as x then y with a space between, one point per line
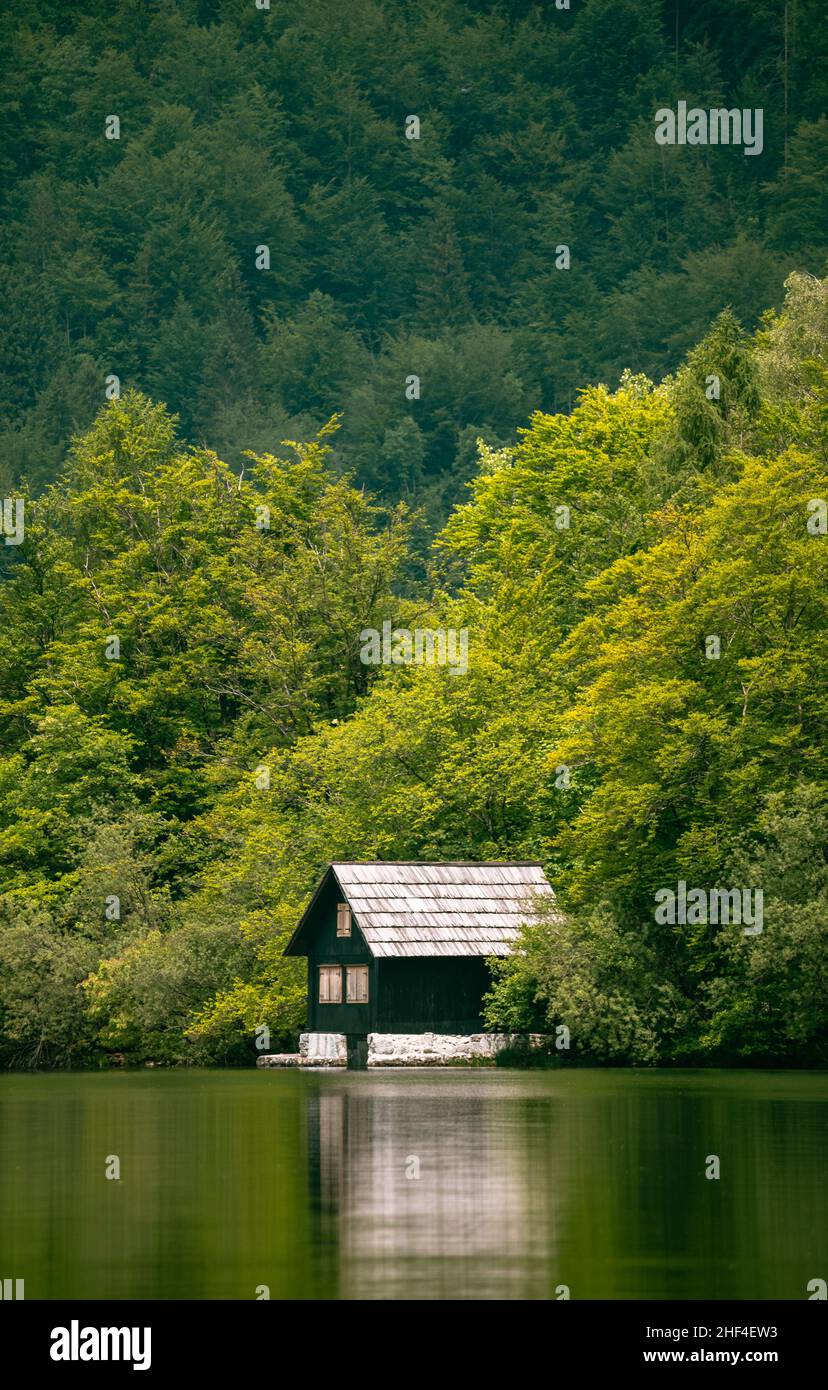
343 915
351 969
333 970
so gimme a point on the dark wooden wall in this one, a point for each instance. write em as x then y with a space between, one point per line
329 949
424 994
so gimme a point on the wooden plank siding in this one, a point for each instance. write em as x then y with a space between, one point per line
438 995
326 948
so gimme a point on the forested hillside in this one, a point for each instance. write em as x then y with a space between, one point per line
243 130
188 734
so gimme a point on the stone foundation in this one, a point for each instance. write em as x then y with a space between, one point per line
436 1049
323 1050
402 1049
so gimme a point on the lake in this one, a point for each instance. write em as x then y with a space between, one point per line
472 1184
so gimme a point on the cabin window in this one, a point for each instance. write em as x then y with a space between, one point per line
356 984
330 984
343 919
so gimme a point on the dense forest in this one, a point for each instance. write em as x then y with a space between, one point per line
243 128
189 735
611 472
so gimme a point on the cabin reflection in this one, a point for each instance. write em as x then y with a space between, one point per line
432 1192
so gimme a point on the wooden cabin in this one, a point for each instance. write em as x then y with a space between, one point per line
402 948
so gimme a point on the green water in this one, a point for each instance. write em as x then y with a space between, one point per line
300 1182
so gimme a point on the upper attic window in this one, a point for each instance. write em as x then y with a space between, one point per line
343 919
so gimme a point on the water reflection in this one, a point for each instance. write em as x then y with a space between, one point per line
594 1181
428 1194
300 1182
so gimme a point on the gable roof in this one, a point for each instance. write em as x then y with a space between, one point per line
414 909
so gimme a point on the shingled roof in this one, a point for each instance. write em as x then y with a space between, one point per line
413 909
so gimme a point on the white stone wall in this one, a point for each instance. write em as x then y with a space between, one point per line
433 1049
402 1049
323 1050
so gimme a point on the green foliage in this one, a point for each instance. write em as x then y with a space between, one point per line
144 998
389 256
769 999
236 600
604 985
43 1018
687 766
204 774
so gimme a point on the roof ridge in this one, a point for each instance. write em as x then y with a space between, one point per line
443 863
